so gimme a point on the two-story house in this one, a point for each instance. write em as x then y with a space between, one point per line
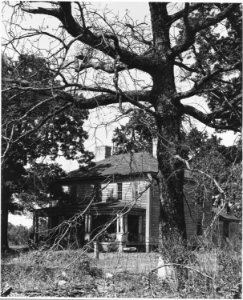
119 194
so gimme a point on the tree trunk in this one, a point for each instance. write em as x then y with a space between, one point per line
4 223
171 182
171 169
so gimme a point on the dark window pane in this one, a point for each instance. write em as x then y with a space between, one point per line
119 191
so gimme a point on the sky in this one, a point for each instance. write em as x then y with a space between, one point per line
102 134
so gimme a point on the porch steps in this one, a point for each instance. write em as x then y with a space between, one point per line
129 249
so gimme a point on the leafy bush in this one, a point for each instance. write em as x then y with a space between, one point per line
18 235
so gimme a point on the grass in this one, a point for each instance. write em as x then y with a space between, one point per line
212 273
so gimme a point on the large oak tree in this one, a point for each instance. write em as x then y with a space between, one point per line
197 44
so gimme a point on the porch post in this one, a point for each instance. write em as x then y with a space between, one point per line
120 231
87 227
118 224
121 224
125 224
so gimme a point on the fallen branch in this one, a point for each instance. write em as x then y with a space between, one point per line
7 292
182 266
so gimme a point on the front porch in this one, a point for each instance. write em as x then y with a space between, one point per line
101 222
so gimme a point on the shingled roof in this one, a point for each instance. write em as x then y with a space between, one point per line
120 165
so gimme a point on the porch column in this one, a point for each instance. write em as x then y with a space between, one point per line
36 228
120 231
87 227
148 221
121 224
118 224
125 224
140 229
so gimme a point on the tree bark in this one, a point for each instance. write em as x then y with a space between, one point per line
171 173
4 222
171 170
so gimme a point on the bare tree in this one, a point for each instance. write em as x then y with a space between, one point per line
119 61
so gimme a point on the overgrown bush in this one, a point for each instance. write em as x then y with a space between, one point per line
18 234
207 271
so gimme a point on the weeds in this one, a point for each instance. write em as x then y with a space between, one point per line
208 272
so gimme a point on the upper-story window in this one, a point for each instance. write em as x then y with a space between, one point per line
119 191
97 192
66 189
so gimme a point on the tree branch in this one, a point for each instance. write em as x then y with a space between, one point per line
99 65
209 119
99 42
133 97
191 30
179 14
198 86
181 65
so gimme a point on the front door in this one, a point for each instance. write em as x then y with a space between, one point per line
133 228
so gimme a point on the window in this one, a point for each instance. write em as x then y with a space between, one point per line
66 189
119 191
97 192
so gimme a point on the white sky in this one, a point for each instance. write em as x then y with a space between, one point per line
103 134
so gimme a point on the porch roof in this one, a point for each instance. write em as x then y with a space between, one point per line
100 208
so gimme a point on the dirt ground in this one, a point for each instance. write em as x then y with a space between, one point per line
115 262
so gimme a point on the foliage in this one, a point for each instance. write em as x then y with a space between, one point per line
215 162
34 128
41 185
42 131
203 152
18 234
136 135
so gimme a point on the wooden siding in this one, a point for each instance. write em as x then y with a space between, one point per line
84 192
108 191
129 188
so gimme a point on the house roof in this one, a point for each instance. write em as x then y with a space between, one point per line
120 165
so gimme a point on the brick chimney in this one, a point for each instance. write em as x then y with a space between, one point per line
102 152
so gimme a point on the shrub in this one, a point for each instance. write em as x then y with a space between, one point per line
208 271
18 235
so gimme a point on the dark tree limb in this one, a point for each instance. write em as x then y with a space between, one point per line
198 86
191 30
100 42
178 15
210 119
